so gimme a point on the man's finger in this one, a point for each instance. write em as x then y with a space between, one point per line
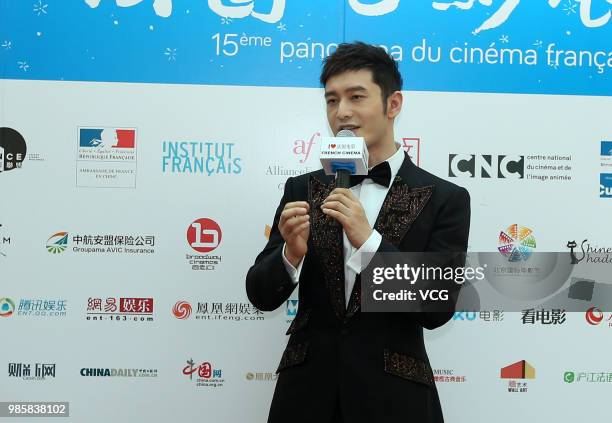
337 206
340 198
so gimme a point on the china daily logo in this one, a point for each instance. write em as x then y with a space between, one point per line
106 157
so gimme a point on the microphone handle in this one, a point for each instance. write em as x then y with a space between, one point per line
343 178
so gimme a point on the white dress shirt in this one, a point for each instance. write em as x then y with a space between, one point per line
372 196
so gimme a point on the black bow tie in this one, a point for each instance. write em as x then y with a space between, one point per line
381 174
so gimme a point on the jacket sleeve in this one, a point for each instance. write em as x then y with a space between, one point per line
268 285
449 235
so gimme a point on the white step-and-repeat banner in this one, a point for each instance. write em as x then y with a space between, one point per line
144 146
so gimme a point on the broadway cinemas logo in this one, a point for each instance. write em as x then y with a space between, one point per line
204 236
120 309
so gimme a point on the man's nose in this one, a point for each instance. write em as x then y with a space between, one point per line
344 110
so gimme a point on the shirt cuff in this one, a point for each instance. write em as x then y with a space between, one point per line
294 273
360 258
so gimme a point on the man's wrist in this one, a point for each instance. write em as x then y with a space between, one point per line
292 258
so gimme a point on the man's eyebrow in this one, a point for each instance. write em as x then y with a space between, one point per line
349 90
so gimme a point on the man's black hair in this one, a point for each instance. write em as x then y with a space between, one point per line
356 56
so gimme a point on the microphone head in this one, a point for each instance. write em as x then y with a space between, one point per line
345 133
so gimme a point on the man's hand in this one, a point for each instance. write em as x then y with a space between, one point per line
343 206
294 226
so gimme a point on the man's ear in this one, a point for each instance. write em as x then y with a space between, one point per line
394 104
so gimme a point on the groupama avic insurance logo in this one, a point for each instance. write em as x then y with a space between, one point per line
516 243
57 243
7 306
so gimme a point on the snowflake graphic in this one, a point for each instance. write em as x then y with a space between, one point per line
226 21
23 65
7 45
40 8
171 53
538 43
504 39
281 26
570 7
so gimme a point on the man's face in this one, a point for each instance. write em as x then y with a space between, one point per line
354 102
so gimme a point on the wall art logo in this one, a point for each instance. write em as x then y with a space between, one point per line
7 307
516 243
120 309
57 243
106 158
13 149
196 157
605 185
412 146
117 372
204 236
518 371
206 375
181 310
42 371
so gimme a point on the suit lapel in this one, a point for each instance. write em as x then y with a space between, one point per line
401 207
326 236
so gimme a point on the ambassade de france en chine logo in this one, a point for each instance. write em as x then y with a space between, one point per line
516 243
106 157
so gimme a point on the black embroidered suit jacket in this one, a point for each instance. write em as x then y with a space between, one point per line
374 366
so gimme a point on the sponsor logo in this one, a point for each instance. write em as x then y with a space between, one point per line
206 376
516 243
448 376
261 376
181 310
7 307
38 372
605 185
544 317
589 252
491 166
120 309
4 241
12 149
201 157
204 236
483 315
101 244
114 372
518 372
412 146
106 157
587 377
594 317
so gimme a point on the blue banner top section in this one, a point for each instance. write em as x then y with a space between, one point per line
510 46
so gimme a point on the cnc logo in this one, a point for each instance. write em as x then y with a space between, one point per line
12 149
516 243
486 166
204 235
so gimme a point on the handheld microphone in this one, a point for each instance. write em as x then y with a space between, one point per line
344 155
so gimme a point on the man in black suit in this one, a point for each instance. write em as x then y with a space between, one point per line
340 364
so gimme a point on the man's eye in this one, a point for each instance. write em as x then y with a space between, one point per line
357 97
331 101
